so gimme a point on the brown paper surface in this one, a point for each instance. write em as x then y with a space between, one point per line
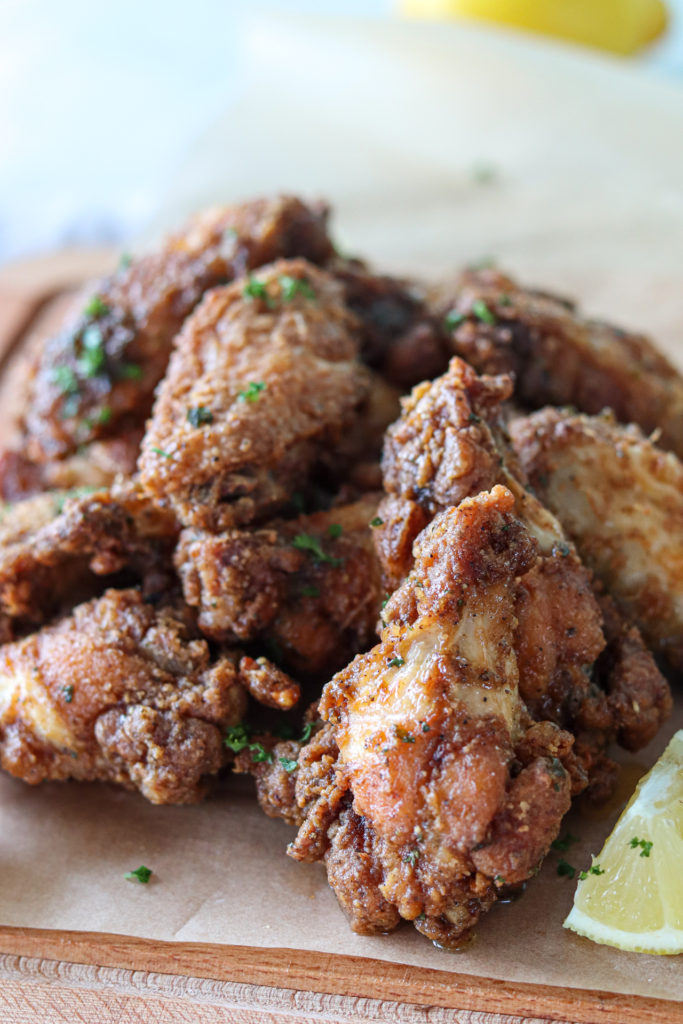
587 198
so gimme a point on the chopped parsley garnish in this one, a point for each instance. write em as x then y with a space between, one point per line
335 530
141 874
254 289
68 692
404 735
425 727
453 319
70 407
104 415
307 732
130 371
293 286
65 379
564 549
376 522
499 880
644 844
504 300
310 592
306 542
397 662
199 415
252 391
288 763
96 307
594 869
482 312
259 753
384 603
237 738
92 358
564 843
566 870
125 260
411 857
473 418
162 453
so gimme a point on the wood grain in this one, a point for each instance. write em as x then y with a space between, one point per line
95 978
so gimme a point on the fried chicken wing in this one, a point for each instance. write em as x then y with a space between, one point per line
450 443
265 382
93 383
119 691
559 357
620 499
431 789
55 548
310 586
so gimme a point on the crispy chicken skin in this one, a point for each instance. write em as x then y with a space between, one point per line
265 379
559 357
120 691
310 585
620 499
54 549
94 381
431 789
450 443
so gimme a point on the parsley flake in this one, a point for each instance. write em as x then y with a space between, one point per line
293 286
397 662
565 869
125 260
482 312
307 732
68 692
594 869
259 753
65 379
376 522
130 371
310 592
162 453
335 530
141 874
92 358
254 289
96 307
306 542
411 857
288 763
199 415
453 319
252 391
644 844
564 843
404 735
237 738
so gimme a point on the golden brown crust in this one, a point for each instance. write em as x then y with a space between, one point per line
559 357
274 366
94 381
621 500
310 585
120 691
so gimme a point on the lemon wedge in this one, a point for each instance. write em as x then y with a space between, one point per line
622 26
632 896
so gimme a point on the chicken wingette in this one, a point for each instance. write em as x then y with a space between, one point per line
620 499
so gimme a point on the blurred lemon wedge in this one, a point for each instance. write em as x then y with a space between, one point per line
621 26
632 896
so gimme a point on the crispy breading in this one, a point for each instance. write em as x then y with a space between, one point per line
265 380
55 548
450 442
456 796
120 691
559 357
95 379
620 499
310 586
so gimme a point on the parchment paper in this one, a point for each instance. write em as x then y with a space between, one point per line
585 195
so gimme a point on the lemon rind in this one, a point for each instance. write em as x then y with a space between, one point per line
662 942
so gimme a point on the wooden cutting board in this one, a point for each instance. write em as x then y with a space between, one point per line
96 978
